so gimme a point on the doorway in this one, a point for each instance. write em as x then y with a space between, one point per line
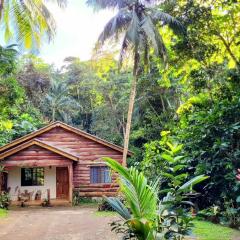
62 181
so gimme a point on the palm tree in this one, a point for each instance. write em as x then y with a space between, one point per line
139 210
144 215
138 21
27 21
60 104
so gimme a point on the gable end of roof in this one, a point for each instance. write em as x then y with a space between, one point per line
40 144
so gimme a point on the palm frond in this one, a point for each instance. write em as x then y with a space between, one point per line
28 21
124 50
145 46
117 167
61 3
140 196
104 4
166 19
155 38
115 26
119 207
133 29
186 186
131 38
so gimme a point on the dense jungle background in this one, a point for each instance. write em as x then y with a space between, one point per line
186 119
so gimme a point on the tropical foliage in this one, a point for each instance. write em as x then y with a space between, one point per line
17 115
185 120
143 214
27 22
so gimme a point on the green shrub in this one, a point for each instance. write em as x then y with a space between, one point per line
4 200
145 217
78 200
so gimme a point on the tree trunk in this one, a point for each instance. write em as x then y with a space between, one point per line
129 118
1 9
53 114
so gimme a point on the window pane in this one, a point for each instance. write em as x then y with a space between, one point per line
100 175
107 175
94 175
32 176
26 176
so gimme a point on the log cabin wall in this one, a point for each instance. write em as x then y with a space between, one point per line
90 154
36 156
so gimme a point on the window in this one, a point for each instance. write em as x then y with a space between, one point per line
100 174
32 176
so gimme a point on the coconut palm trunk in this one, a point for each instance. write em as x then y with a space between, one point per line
129 118
130 108
53 114
1 8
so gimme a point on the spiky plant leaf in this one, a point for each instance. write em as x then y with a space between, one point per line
186 186
119 207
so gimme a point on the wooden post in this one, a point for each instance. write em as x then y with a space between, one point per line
48 197
70 175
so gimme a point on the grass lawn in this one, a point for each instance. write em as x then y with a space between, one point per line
3 213
203 230
209 231
105 214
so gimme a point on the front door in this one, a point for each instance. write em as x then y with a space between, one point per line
62 182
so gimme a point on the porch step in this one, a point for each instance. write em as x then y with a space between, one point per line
53 202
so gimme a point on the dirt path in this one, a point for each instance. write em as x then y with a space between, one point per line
56 224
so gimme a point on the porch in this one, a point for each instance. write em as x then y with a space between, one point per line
31 185
34 203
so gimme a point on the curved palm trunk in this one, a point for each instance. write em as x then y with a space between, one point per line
131 107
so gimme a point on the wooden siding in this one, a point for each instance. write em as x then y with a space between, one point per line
89 153
36 156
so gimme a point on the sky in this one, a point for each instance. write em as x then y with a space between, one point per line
78 27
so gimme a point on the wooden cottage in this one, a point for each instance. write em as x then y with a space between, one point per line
59 159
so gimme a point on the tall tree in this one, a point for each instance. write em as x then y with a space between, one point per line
138 22
58 105
28 21
35 76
